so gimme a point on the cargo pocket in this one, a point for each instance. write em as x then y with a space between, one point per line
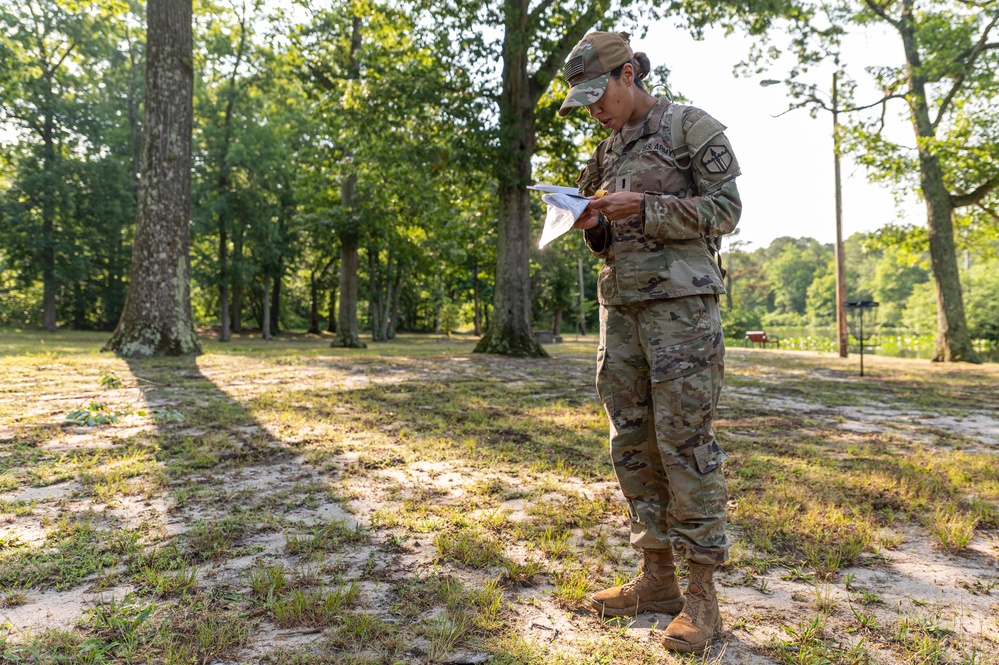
709 457
679 360
686 378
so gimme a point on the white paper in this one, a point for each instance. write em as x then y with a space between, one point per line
565 205
555 189
563 211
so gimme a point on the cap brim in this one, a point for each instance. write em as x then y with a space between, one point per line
584 94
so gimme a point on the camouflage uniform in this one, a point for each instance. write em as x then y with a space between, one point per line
660 363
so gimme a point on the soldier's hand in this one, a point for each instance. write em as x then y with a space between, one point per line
617 205
587 219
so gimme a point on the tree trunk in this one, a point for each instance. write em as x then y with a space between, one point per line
48 227
275 327
510 332
953 337
477 316
313 304
374 296
265 323
395 305
331 322
346 333
157 315
557 323
224 334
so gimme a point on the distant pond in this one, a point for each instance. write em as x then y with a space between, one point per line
884 342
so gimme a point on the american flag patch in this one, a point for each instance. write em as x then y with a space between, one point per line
574 67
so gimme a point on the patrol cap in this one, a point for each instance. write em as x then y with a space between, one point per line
589 66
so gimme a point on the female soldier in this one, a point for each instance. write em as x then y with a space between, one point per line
670 174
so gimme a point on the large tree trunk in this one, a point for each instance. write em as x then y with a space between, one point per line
953 338
510 332
157 315
347 333
346 329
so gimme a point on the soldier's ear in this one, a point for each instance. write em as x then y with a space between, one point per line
628 74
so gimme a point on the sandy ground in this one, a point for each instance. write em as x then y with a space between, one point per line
960 592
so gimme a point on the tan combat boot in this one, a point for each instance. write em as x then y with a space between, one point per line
700 622
653 590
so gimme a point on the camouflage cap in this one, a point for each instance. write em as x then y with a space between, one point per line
589 66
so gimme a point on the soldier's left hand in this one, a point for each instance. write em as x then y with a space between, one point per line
618 205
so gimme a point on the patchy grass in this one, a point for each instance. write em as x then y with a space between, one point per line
286 502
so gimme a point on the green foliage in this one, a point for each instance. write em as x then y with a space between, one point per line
91 415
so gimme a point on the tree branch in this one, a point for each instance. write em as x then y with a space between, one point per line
880 11
972 198
992 213
976 51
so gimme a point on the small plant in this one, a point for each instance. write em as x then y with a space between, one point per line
91 415
469 547
444 633
168 583
953 530
267 580
110 381
571 586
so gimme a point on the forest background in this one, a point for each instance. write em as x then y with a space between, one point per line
291 103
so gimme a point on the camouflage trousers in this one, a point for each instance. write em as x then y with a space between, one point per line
660 367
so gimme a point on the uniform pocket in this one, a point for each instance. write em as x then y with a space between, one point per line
679 360
709 457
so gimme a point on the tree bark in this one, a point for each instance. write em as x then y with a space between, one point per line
265 323
48 224
275 327
313 304
477 316
557 323
157 315
331 321
395 305
346 332
953 338
236 311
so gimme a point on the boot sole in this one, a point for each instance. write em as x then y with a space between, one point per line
698 647
664 607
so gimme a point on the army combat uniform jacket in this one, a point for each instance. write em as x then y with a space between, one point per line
665 252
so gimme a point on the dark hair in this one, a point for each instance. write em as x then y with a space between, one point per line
642 66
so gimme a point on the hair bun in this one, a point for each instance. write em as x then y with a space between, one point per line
644 65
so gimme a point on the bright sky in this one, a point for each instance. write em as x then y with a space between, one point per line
787 162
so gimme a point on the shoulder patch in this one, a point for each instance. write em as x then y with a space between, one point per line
702 131
716 159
